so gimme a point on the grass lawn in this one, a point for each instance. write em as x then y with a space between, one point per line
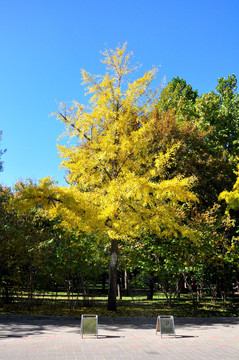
137 306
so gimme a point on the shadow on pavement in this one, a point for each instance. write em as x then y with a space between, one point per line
185 336
20 326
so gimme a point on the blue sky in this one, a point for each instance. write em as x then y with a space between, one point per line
44 45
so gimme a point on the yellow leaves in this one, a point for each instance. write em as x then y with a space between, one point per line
74 209
232 197
72 206
117 172
30 194
132 202
139 88
118 61
163 160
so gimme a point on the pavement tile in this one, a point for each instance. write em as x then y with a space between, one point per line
42 338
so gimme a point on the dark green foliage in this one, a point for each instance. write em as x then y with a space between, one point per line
179 96
37 254
221 111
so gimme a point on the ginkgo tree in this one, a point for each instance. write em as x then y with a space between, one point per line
117 179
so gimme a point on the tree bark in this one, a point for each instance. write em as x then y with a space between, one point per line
150 293
126 283
119 291
113 276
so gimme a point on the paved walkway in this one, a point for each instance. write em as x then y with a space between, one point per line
31 338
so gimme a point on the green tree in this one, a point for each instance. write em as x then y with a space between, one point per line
220 110
37 254
21 239
180 97
205 130
200 126
215 257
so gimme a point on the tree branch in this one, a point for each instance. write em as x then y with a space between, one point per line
74 126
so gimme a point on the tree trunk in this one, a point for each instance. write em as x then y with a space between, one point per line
126 283
6 295
31 289
150 292
103 282
113 276
119 292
